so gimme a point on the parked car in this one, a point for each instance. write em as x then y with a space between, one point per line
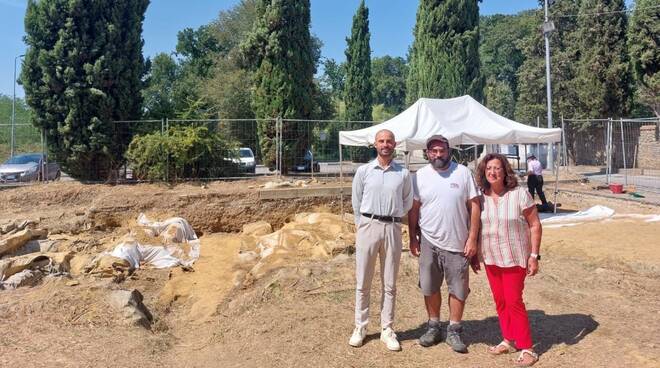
28 167
306 164
246 158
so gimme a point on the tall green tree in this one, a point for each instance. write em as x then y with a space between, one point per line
501 54
83 69
603 81
530 91
498 96
334 77
158 94
228 87
643 46
280 52
444 57
357 93
198 48
388 78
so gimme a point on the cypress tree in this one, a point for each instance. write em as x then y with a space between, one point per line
644 52
83 70
357 94
603 73
444 58
280 51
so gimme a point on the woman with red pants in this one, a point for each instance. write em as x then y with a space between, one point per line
509 245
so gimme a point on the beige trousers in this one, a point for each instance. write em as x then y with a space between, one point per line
376 239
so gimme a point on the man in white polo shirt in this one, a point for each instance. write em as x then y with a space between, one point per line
382 195
535 180
444 226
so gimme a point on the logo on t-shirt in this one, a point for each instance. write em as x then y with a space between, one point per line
454 186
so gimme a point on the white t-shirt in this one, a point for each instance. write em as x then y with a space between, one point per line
443 217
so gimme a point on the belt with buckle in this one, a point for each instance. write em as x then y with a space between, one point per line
382 218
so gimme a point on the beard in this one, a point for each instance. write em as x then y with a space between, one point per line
440 163
383 154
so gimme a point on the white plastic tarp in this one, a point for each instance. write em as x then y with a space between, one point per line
462 120
175 233
595 213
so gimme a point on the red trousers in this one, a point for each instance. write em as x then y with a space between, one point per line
507 285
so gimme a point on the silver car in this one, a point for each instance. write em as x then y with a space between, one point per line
28 167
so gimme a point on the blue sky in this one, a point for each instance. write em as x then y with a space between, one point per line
391 25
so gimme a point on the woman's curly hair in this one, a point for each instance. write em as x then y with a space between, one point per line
510 178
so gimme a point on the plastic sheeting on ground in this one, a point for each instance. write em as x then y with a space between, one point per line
181 245
595 213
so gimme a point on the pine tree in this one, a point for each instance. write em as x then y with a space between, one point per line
644 52
603 73
83 70
444 58
358 95
280 51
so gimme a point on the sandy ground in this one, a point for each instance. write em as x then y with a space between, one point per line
595 303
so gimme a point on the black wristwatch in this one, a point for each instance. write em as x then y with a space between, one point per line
536 256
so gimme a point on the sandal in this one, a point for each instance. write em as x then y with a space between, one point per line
524 361
502 348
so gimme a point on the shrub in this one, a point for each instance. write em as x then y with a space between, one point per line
183 152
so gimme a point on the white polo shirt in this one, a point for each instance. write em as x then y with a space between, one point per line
535 167
381 191
444 219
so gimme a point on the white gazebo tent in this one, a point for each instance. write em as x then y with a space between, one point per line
462 120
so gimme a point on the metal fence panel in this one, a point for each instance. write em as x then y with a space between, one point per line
623 151
311 147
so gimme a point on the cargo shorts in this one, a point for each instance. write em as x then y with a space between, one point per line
436 264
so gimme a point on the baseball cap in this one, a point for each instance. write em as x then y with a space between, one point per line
437 137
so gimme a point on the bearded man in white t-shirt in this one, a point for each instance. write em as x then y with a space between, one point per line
444 227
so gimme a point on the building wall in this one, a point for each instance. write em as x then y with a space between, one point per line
648 156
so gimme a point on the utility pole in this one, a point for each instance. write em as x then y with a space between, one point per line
13 112
548 27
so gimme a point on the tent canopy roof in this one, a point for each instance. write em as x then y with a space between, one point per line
462 120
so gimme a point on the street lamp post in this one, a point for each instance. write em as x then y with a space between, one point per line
13 111
548 27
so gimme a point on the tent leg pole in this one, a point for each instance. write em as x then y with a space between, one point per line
341 185
556 181
623 151
476 156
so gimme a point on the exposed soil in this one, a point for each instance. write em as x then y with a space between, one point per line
595 303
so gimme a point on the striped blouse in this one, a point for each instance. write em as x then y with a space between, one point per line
505 235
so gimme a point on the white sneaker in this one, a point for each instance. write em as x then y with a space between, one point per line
358 337
389 338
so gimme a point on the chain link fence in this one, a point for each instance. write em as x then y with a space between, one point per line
215 149
23 157
611 151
